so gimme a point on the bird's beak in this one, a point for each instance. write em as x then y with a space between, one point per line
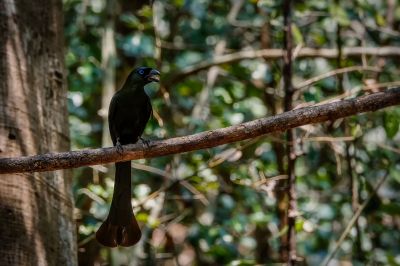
154 75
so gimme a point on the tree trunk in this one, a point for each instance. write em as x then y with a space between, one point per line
108 58
36 222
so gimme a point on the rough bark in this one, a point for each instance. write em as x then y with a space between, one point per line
36 222
203 140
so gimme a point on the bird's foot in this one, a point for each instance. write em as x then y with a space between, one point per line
145 142
119 147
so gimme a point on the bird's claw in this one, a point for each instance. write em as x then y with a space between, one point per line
119 147
145 142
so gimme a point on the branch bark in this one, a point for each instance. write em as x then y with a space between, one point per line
203 140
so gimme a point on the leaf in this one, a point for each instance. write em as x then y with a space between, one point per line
340 15
130 20
391 124
145 11
380 20
391 208
297 36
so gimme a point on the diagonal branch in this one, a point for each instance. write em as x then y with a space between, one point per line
353 220
278 54
335 72
203 140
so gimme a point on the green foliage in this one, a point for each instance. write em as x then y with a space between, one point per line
221 206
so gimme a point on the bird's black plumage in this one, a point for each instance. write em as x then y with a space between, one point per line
129 111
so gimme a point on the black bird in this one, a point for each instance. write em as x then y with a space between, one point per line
129 111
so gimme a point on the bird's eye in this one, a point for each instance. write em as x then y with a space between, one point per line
141 71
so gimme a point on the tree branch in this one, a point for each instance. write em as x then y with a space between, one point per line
278 54
353 220
203 140
291 245
336 72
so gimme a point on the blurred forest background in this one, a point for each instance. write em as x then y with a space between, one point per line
228 205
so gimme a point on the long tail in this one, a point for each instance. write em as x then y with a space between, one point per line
120 228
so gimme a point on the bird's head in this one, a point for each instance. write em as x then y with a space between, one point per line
144 75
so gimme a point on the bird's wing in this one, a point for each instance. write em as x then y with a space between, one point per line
149 110
144 116
111 119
